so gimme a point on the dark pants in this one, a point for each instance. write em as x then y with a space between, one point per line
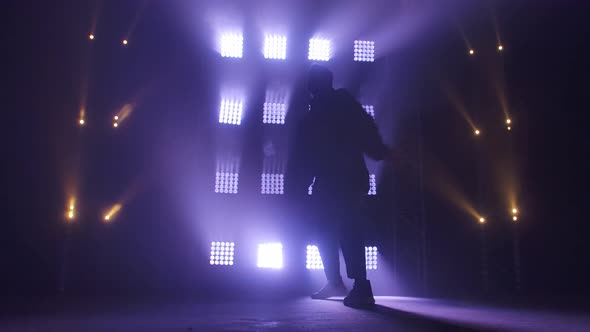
339 224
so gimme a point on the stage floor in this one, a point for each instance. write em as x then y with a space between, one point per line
301 314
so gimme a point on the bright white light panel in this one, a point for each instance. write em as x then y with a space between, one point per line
370 110
364 50
371 258
270 255
372 184
222 253
232 45
226 183
275 47
272 184
314 260
319 49
274 113
230 111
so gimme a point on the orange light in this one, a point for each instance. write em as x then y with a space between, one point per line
515 218
112 212
71 209
477 132
91 36
471 52
482 220
508 121
514 211
115 125
500 48
81 122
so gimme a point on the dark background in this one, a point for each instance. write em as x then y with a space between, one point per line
45 50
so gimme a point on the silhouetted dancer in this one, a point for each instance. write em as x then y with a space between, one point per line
331 142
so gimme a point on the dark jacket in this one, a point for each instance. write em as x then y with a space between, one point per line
330 144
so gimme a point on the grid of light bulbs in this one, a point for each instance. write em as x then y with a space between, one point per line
370 110
275 47
270 255
230 112
232 45
222 253
274 113
371 258
272 184
319 49
226 183
364 50
314 260
372 185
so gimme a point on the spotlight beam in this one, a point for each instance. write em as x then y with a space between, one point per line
458 105
109 216
134 22
470 49
92 33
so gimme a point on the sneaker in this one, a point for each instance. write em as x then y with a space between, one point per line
330 290
361 295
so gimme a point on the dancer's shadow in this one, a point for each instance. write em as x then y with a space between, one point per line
406 321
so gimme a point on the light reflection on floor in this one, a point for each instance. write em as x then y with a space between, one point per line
405 314
486 316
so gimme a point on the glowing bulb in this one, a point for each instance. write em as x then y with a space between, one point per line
477 132
471 52
515 218
116 117
508 121
91 36
482 220
81 122
107 217
125 42
500 48
509 128
71 215
115 125
514 211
